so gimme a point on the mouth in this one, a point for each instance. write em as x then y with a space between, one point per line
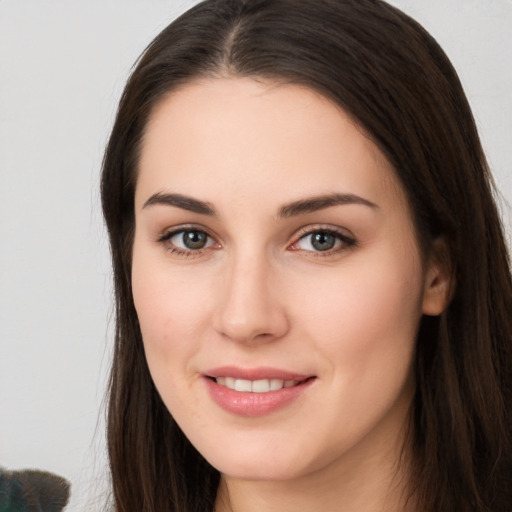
257 391
256 386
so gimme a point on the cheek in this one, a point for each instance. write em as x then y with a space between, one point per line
167 307
363 322
170 320
366 311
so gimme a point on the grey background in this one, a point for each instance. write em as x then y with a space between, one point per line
62 67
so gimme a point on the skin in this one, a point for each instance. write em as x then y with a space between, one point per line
259 294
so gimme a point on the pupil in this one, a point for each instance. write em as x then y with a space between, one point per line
323 241
194 239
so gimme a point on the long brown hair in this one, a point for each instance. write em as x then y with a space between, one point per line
393 78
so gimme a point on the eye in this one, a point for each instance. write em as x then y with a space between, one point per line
187 240
323 240
192 240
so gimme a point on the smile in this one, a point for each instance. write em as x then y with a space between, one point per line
255 386
255 392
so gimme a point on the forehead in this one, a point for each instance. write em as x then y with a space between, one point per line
253 139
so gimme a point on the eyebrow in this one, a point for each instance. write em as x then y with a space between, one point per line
300 207
183 202
316 203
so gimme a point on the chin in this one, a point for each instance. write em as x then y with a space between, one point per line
254 462
258 470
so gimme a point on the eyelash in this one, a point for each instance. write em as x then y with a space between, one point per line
178 251
345 242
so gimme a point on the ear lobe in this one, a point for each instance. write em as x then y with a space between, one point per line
439 281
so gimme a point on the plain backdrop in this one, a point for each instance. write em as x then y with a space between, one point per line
63 64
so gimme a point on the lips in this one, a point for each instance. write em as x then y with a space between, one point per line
255 392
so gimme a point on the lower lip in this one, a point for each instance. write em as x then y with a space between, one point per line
254 404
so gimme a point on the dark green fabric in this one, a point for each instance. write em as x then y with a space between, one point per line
32 491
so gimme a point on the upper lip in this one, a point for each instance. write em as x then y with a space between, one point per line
256 373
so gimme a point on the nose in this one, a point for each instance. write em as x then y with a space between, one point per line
250 308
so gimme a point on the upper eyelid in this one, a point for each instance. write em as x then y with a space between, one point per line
171 231
308 230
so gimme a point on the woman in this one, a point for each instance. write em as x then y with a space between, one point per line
312 285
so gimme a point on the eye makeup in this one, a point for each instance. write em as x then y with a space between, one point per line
319 241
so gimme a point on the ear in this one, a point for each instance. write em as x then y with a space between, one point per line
439 279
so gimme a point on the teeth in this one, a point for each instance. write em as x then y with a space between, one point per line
260 386
276 384
243 385
255 386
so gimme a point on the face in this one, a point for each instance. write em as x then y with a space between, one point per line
277 279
